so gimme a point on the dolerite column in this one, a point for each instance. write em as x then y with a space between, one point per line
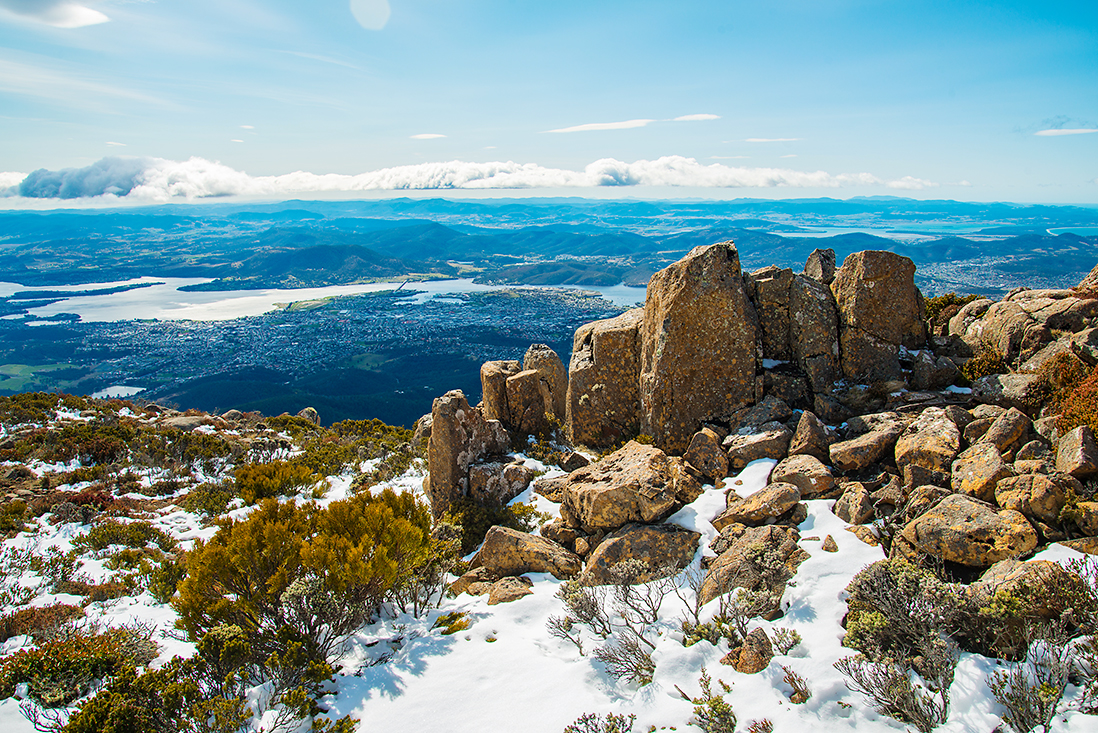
697 345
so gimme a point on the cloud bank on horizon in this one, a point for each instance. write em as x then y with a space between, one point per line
157 179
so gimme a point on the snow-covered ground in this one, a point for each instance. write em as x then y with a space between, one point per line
506 672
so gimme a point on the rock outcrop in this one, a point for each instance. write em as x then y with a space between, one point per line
697 345
880 309
603 401
460 437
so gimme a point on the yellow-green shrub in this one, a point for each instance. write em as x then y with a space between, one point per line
318 571
989 360
257 481
129 534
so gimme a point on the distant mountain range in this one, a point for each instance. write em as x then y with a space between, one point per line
986 248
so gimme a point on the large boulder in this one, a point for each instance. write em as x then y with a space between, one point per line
552 375
931 442
770 440
814 331
496 483
706 455
637 483
1035 580
808 474
528 404
864 450
855 505
460 437
768 409
811 437
880 309
493 386
603 404
735 567
769 291
509 552
1077 454
663 549
762 507
1008 430
1021 391
967 531
508 590
1035 495
978 470
697 345
930 372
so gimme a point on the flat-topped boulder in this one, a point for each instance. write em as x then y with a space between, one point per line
697 345
770 440
978 470
808 474
637 483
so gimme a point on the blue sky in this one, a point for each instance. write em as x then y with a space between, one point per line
962 100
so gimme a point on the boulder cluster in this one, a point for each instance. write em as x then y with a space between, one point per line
834 374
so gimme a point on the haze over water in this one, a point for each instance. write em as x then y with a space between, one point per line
164 301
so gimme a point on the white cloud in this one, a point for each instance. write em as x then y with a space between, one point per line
1058 132
772 139
911 183
236 141
58 13
592 126
696 118
247 127
116 145
156 179
371 14
9 179
790 155
427 136
729 157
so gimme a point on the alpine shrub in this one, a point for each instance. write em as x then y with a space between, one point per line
258 481
320 572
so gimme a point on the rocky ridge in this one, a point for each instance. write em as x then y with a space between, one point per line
838 377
